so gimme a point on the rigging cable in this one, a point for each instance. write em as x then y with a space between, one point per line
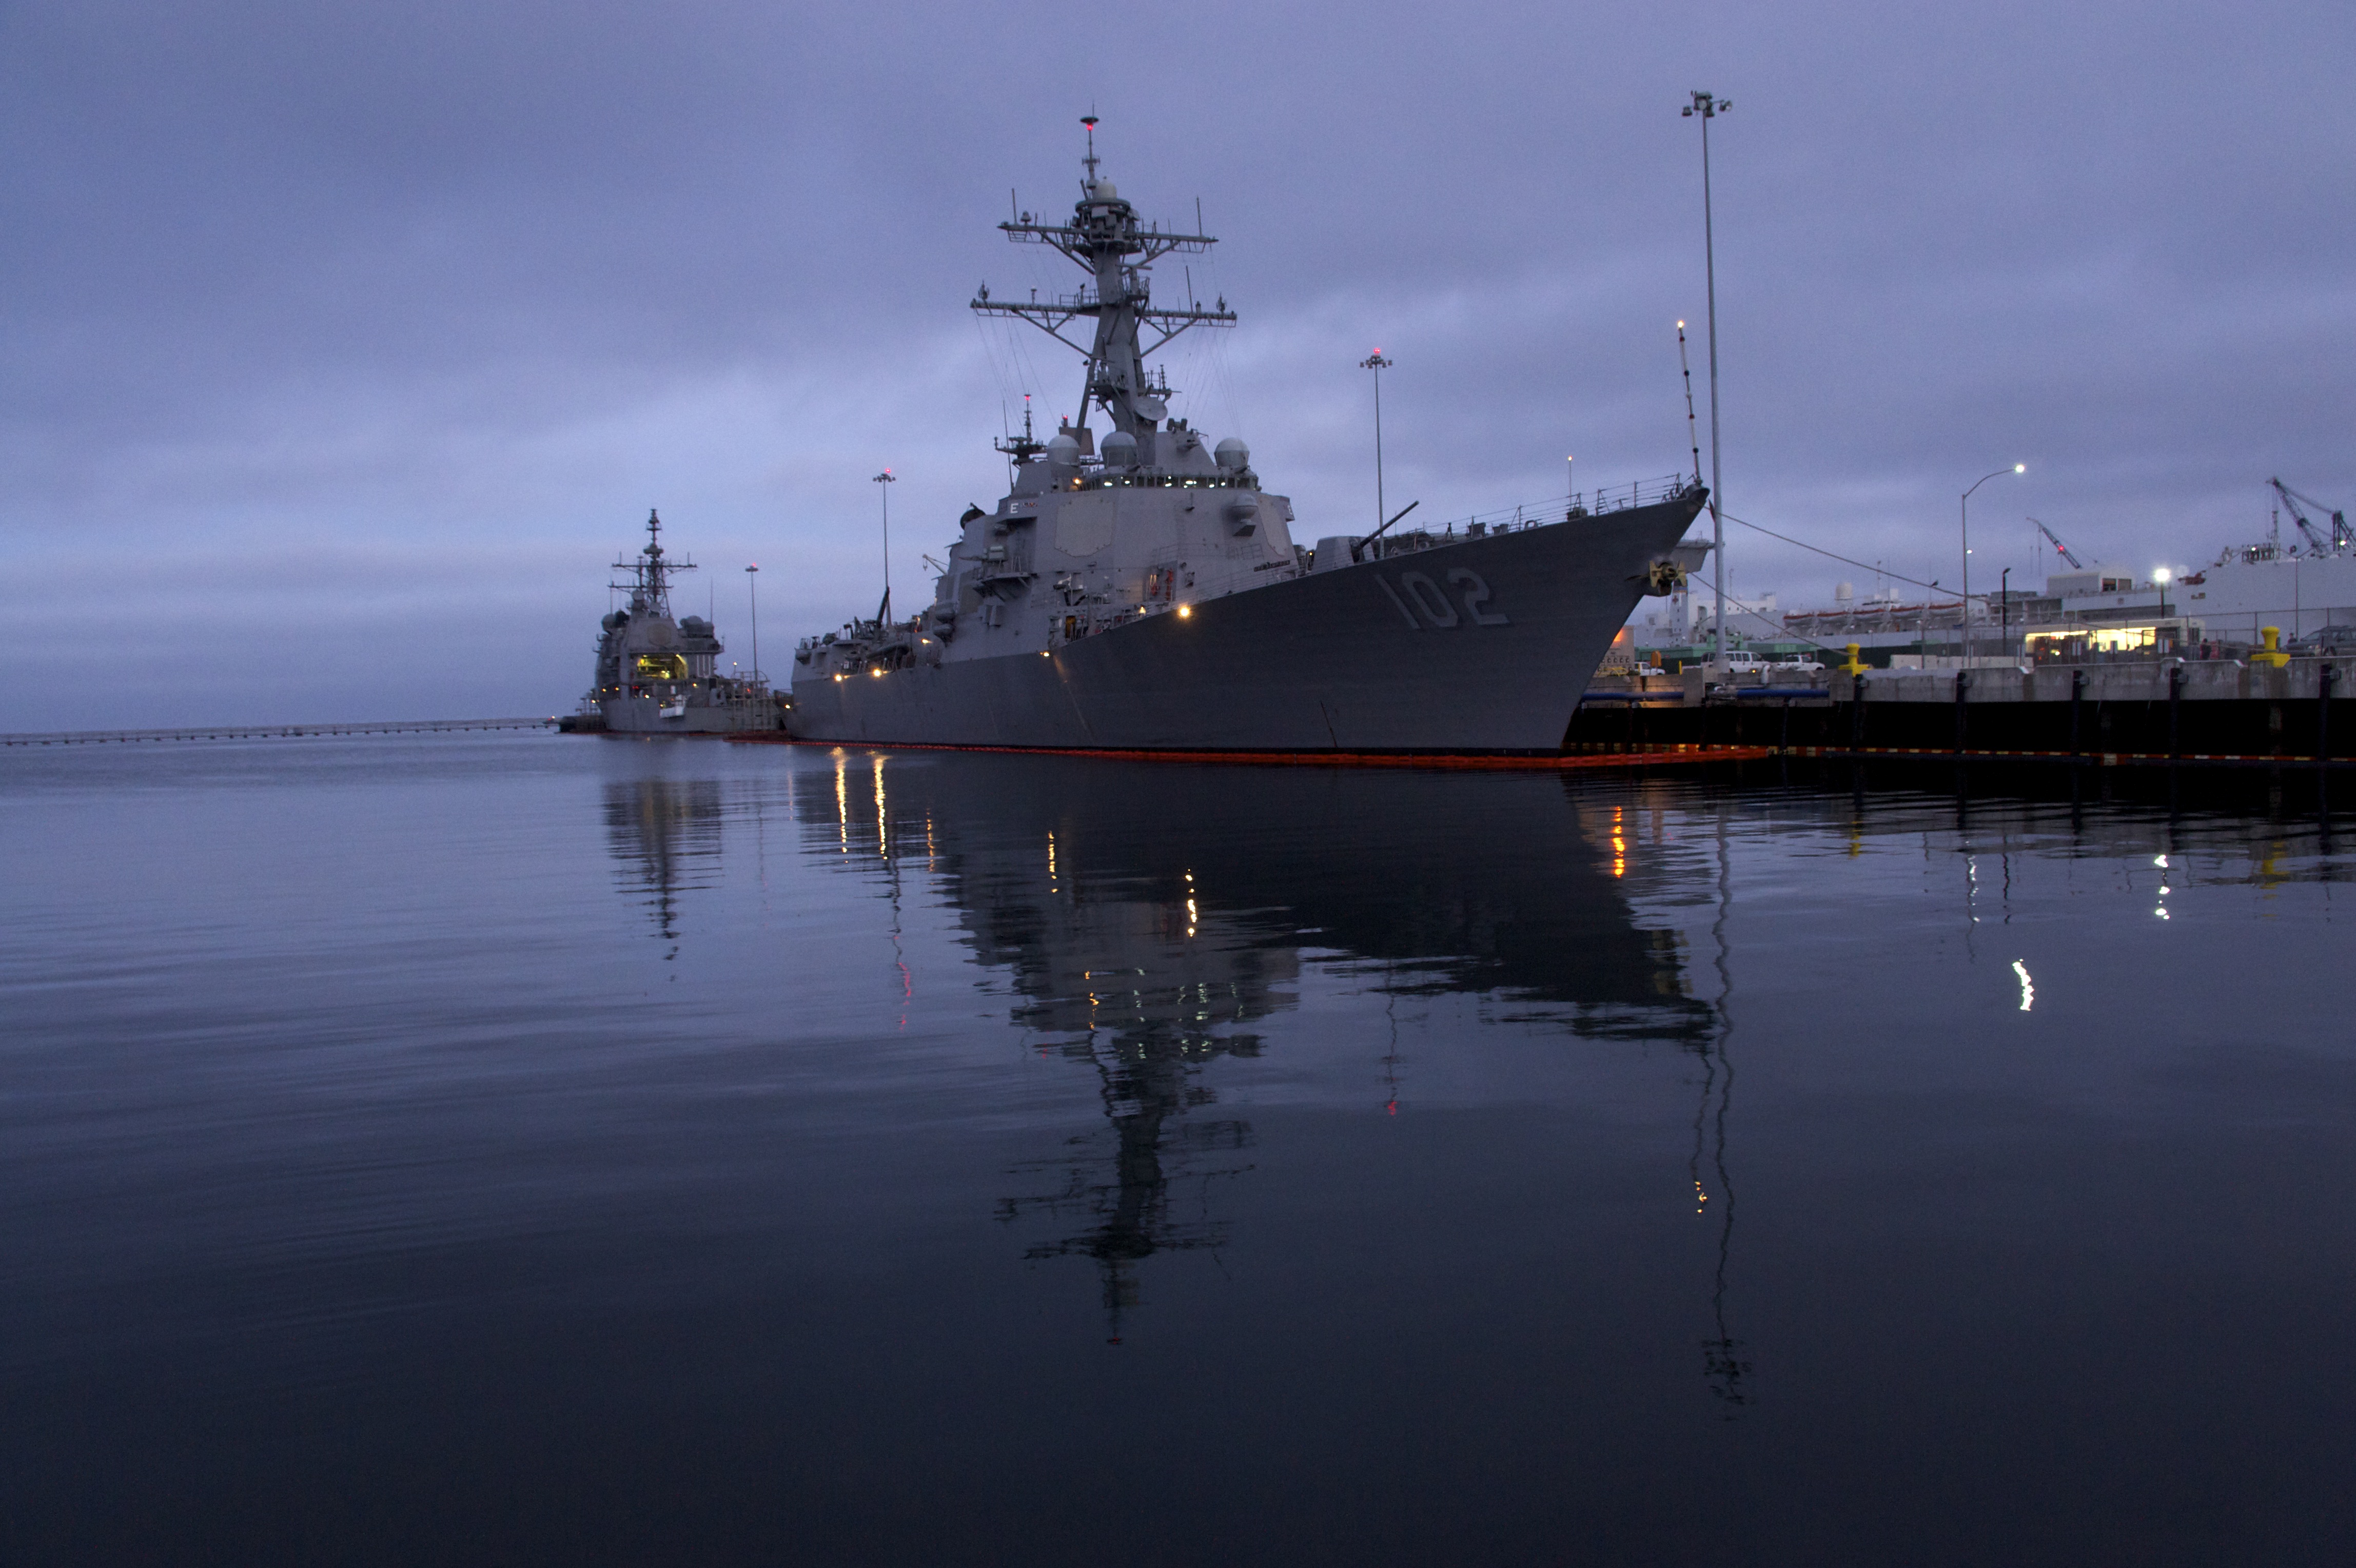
1835 555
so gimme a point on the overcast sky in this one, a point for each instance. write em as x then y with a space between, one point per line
346 345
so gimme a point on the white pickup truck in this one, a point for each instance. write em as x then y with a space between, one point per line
1752 665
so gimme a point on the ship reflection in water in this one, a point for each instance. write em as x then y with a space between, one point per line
1472 1167
666 835
1147 923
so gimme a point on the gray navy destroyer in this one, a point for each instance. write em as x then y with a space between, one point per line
658 674
1147 593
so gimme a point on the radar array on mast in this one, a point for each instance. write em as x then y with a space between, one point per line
649 584
1105 240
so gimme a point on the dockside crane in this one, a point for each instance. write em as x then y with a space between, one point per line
2342 535
2054 540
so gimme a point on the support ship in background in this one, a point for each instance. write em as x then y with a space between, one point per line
658 674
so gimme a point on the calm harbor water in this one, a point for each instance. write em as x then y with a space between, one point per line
526 1149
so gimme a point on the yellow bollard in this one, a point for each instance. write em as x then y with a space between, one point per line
1854 666
2272 654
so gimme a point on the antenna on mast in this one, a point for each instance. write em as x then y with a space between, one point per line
1692 430
1105 240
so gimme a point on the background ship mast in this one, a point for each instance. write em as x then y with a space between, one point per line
1105 240
649 585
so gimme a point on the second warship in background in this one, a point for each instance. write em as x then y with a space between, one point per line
1149 593
658 675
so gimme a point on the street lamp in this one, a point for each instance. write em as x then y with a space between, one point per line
1967 508
2161 575
1707 108
884 612
752 594
1376 363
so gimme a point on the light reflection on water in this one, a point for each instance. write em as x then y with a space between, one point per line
602 1150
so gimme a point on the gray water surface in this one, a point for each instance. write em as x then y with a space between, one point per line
534 1149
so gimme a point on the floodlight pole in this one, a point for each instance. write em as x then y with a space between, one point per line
886 478
1709 107
1376 363
754 594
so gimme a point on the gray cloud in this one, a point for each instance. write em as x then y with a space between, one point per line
365 336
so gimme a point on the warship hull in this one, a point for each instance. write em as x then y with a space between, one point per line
1477 646
645 716
658 674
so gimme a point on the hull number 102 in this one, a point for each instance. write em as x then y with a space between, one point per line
1425 602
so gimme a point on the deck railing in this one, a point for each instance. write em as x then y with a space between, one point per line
1542 514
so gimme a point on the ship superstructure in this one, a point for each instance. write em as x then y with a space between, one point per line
659 675
2304 590
1147 592
2301 591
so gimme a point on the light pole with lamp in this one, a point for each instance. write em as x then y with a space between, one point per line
1966 505
1709 107
1376 363
883 613
2162 577
753 594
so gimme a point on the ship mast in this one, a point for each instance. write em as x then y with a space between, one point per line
1105 240
649 586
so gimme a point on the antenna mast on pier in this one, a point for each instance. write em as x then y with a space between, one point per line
1709 107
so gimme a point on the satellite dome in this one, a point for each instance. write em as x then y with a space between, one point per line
1232 453
1103 191
1120 450
1063 451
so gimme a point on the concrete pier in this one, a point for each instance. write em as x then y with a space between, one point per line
2221 711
